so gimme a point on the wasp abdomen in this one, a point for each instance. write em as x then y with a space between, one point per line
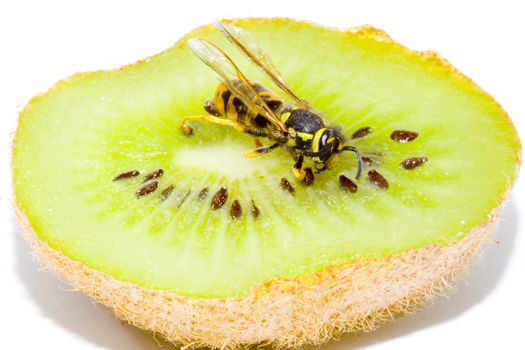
235 109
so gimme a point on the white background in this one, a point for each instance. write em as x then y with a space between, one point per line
44 41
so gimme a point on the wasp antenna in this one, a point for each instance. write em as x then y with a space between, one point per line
359 159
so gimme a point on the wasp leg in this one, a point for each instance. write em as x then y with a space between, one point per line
188 130
297 168
319 170
260 151
258 143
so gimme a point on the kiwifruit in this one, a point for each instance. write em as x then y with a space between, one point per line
185 237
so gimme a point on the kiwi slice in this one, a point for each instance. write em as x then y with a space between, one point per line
185 237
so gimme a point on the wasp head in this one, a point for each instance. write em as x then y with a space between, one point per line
330 144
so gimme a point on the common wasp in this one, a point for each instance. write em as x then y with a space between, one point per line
251 108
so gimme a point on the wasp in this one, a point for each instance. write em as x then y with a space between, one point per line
251 108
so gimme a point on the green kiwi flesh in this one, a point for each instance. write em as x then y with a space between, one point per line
74 139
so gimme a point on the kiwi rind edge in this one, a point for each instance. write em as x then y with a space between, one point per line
359 295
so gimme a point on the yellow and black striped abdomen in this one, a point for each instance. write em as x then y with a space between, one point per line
221 98
233 108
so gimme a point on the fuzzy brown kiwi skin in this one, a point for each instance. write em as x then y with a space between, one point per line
356 296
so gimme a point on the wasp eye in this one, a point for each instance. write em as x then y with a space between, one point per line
323 140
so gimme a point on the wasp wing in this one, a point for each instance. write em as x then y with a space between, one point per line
245 42
233 78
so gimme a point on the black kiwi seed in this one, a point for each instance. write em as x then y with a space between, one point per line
347 184
362 132
236 210
403 136
203 193
411 163
153 175
308 178
255 210
367 160
166 192
219 198
377 179
287 186
126 175
147 189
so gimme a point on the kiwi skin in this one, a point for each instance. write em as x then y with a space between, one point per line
357 295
